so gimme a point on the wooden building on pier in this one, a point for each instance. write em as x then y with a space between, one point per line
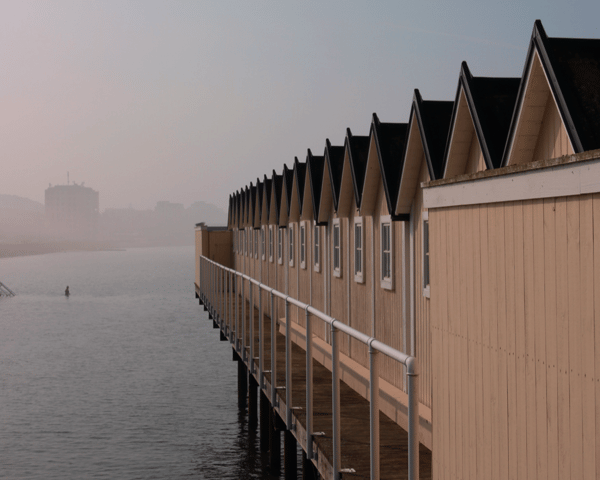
468 238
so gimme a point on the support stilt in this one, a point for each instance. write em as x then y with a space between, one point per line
252 403
264 422
274 443
290 455
309 472
242 385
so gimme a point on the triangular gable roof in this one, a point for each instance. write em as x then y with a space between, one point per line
358 155
333 164
258 204
276 188
266 207
245 207
571 69
230 213
388 140
298 185
428 129
314 172
484 107
286 195
251 204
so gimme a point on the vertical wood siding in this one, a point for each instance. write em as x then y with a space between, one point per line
515 289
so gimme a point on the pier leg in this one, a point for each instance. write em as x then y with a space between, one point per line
309 472
290 455
274 443
222 337
264 422
242 384
252 403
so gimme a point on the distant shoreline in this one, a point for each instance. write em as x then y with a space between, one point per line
8 250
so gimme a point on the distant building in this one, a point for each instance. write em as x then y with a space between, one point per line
72 212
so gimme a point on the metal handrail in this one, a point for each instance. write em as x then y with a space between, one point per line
211 275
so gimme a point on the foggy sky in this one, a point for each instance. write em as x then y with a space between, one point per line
187 101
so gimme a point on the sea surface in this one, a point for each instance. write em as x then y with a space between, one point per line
124 379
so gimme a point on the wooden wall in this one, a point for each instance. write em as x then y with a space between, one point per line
514 290
553 140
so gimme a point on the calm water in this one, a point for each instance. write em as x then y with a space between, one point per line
124 379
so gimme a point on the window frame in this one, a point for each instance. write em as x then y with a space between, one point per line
291 245
262 243
303 245
360 254
271 243
387 283
316 248
256 243
280 246
425 254
337 271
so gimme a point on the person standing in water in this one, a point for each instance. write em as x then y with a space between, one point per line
67 293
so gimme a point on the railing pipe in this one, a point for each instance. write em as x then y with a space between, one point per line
374 411
335 399
288 367
273 353
243 319
260 339
336 326
251 328
413 418
309 388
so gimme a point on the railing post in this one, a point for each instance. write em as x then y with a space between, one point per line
237 316
335 399
260 339
273 354
231 334
309 388
374 410
288 367
413 418
251 327
243 338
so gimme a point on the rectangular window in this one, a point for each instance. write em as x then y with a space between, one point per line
280 246
250 242
291 245
255 234
425 254
303 245
270 243
262 243
386 253
358 249
317 252
337 249
245 243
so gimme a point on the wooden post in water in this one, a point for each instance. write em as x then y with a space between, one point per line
242 384
274 443
290 455
264 422
252 403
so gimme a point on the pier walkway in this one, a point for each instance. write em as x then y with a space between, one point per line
355 442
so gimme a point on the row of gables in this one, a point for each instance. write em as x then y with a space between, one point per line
552 110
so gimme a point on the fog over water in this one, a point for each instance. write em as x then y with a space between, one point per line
126 378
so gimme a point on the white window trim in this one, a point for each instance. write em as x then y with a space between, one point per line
291 245
388 282
280 246
263 240
271 243
359 276
303 230
256 243
245 243
426 287
337 272
317 247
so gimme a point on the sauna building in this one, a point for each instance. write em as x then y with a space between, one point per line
434 283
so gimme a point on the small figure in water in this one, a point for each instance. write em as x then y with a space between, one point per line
67 293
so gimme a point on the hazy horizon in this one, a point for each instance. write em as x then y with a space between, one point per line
190 101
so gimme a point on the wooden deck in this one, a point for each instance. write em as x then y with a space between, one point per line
355 442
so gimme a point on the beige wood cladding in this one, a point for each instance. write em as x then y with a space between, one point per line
514 288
